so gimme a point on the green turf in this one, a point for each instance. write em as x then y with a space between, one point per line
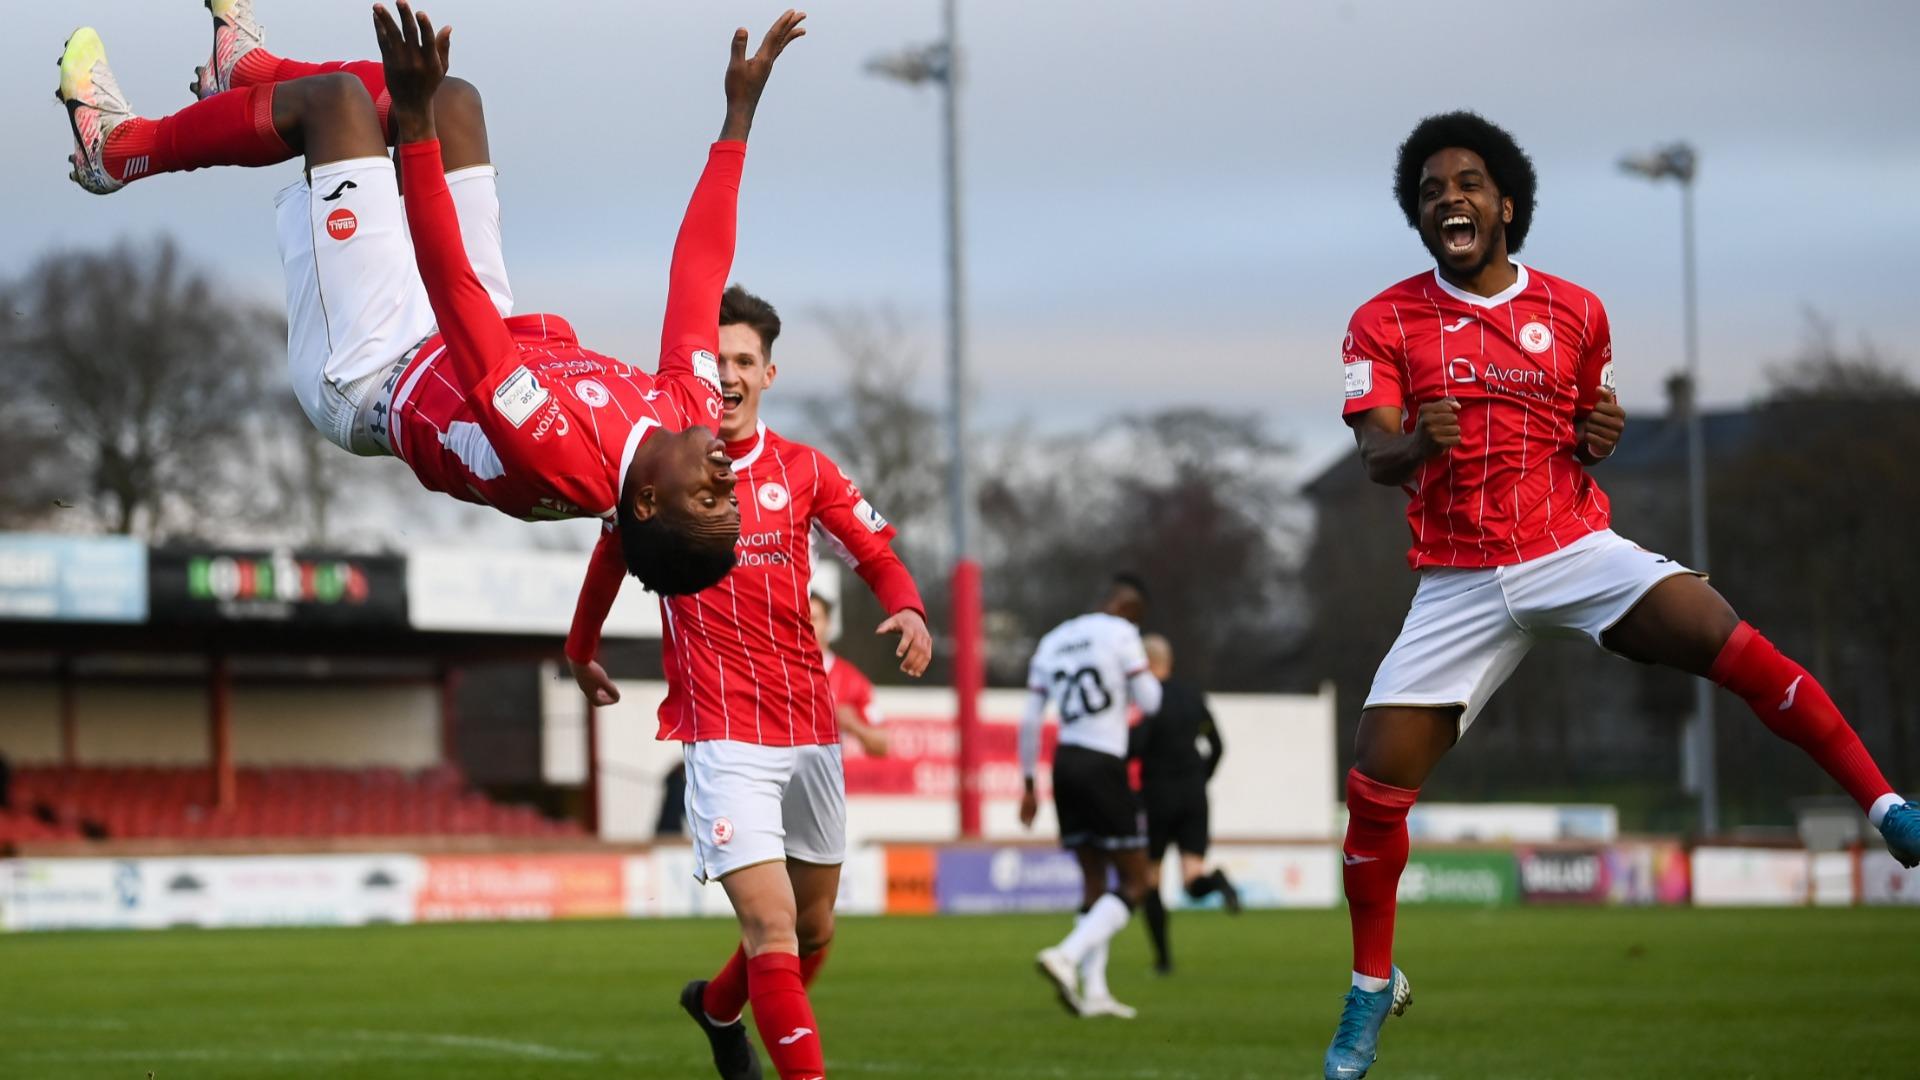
1528 993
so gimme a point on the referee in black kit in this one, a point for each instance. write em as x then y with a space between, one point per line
1173 784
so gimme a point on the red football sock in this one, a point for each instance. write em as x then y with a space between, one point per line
726 995
1796 707
784 1017
262 68
1376 853
810 966
234 128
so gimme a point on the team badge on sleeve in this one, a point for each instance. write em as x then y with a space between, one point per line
869 516
1606 377
1359 379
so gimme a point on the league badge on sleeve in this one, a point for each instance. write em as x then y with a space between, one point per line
706 366
519 396
869 516
1359 379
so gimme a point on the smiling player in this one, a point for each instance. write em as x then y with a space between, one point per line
1485 388
749 695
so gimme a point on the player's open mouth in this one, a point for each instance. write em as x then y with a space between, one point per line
1457 233
731 400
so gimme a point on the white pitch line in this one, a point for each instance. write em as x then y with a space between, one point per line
475 1042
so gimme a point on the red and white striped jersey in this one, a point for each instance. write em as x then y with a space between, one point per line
513 413
1524 365
740 658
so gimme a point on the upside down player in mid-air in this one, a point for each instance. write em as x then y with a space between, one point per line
1486 389
400 344
1092 669
749 697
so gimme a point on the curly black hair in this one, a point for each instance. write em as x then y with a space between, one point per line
669 560
1511 168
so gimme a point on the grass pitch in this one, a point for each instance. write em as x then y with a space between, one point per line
1530 993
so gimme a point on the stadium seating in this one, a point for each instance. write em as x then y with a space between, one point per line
150 802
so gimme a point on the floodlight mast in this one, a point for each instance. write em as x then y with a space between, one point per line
938 64
1678 161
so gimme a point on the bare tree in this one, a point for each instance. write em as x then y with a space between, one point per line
133 379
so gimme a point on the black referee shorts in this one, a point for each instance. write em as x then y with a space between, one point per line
1176 815
1095 803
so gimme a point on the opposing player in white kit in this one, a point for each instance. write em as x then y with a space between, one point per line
399 338
1091 670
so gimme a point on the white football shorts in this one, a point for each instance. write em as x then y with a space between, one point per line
1468 628
749 804
355 304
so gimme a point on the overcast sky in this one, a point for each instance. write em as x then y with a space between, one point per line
1166 203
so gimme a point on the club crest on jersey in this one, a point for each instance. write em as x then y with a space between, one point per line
592 392
341 224
773 496
869 516
519 396
1535 337
1359 378
722 831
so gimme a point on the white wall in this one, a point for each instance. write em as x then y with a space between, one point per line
166 724
1277 780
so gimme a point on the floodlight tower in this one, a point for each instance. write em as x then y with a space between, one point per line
938 64
1678 161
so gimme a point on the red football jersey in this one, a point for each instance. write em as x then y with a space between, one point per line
740 658
513 413
1524 366
850 686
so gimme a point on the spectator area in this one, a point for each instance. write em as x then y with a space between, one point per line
170 802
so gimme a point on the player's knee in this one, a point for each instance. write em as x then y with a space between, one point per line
457 101
335 94
815 932
768 932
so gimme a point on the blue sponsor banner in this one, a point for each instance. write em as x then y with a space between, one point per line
99 579
978 880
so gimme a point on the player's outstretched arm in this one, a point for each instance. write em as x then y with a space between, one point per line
415 59
1393 456
703 250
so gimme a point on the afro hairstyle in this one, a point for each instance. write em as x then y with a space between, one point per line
667 558
1511 168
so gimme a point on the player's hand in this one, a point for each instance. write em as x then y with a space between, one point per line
1029 808
593 682
916 642
1599 433
875 742
1438 426
747 75
416 62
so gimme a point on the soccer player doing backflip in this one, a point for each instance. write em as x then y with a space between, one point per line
1486 389
400 339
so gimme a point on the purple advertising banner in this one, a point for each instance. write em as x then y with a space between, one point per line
1563 876
978 880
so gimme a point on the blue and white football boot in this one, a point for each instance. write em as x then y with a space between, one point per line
1901 828
1356 1042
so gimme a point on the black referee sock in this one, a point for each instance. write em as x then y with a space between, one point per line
1156 912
